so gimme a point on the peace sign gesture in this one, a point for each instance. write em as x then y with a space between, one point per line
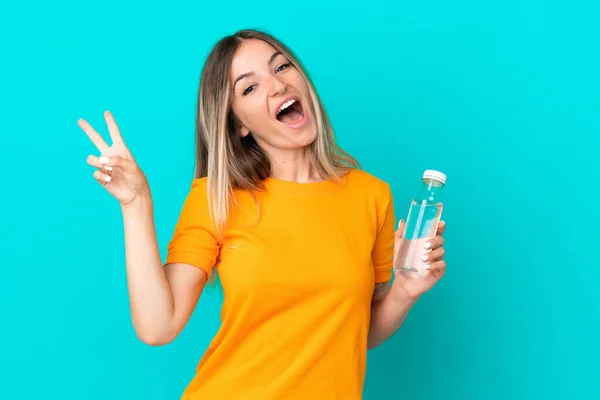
117 170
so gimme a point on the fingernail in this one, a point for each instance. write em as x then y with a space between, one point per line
107 178
106 167
427 245
427 267
425 258
103 160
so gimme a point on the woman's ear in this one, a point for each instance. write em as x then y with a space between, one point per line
244 131
239 127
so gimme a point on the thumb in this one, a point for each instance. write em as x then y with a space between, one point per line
400 230
127 166
398 235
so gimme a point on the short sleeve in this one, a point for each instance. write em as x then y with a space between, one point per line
383 249
194 240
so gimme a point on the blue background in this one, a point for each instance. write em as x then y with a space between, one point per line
503 96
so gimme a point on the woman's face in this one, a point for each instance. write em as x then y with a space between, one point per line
271 98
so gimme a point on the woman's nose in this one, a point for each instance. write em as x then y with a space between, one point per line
277 86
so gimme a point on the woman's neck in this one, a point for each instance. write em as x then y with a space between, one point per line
294 167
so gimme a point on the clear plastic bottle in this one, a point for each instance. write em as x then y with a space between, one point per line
421 224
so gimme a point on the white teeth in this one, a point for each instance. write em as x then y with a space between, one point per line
287 104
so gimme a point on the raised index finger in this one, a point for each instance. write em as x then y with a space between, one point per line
94 136
113 129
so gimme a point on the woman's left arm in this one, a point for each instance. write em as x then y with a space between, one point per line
392 302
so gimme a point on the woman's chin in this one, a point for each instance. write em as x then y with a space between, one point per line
306 138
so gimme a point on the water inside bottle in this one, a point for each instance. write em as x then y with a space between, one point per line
421 225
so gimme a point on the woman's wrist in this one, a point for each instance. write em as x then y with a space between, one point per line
399 293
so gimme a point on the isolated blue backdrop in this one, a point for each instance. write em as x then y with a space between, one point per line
503 96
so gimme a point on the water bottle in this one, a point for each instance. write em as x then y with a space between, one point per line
421 224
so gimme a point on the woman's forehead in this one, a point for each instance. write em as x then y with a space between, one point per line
250 55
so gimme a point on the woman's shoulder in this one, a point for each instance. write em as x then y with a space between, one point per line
200 182
369 181
199 187
197 191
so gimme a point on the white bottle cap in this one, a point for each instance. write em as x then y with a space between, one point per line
436 175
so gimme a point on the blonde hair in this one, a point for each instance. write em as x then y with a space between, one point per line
230 161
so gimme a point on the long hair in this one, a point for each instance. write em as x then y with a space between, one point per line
232 162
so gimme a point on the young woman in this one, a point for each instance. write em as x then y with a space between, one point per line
302 239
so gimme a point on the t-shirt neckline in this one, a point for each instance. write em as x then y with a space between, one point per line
309 189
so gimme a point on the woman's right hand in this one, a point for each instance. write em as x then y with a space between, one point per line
117 170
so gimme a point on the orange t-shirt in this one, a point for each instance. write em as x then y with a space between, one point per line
297 286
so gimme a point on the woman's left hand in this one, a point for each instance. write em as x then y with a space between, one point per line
415 287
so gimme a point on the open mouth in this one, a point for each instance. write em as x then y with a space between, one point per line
291 113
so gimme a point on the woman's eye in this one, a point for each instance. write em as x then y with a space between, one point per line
248 90
282 67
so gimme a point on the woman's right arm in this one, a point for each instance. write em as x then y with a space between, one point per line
162 298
